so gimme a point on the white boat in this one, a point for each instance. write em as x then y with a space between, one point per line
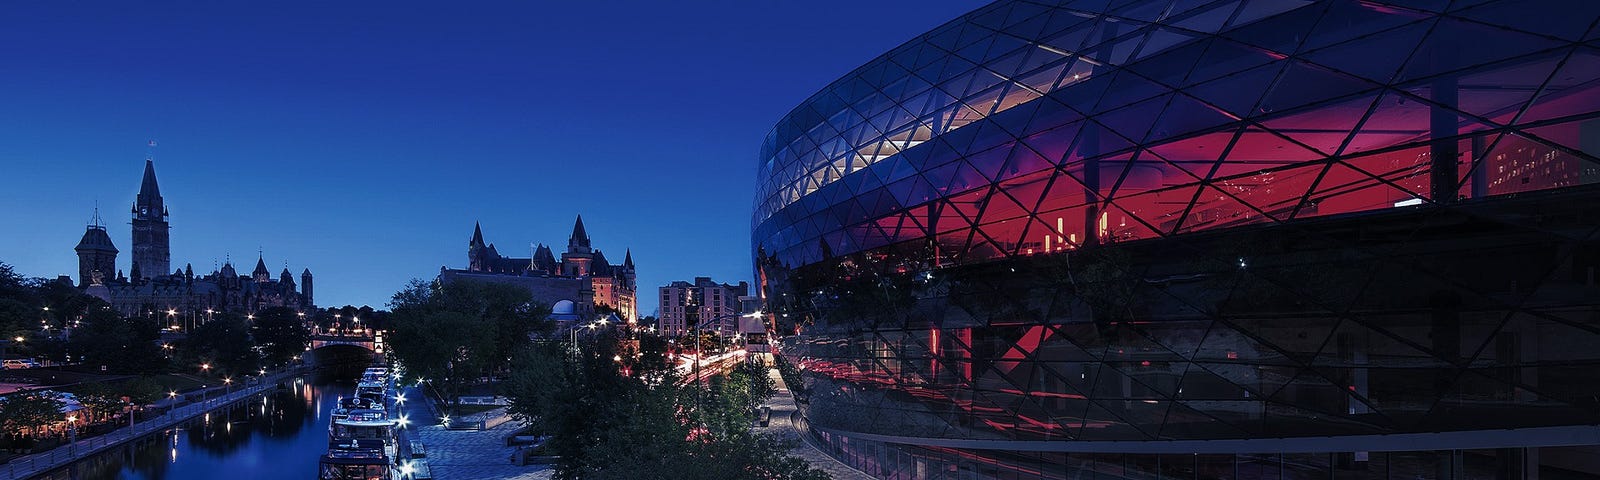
355 460
364 425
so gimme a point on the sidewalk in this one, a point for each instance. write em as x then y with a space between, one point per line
467 454
782 426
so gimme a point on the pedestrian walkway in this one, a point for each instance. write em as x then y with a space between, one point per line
467 454
782 426
30 465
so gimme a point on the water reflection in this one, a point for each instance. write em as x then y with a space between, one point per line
276 435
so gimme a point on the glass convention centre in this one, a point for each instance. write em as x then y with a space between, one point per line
1219 239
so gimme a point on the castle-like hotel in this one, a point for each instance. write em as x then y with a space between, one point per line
582 280
150 289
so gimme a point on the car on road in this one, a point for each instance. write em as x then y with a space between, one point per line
18 364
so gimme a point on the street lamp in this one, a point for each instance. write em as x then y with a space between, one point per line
72 435
227 383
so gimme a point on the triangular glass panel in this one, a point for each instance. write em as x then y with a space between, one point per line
1238 93
1580 138
1119 225
1259 150
1194 155
1052 143
1207 19
1133 121
990 163
969 205
1001 207
1270 35
1185 115
1304 84
1039 238
1410 169
1128 89
1455 44
1161 40
1215 209
1500 91
1345 21
1344 190
1095 140
1571 91
984 248
1518 163
1027 188
1023 161
1323 128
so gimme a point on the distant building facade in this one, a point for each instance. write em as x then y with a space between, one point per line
685 304
582 276
150 289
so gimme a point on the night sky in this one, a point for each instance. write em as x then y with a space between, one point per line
362 140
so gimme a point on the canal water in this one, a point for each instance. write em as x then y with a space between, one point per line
276 435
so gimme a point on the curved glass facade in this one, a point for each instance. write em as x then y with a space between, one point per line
1055 240
1022 128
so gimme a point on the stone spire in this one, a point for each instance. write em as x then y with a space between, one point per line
579 241
261 274
149 192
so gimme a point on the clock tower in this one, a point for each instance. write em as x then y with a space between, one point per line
151 249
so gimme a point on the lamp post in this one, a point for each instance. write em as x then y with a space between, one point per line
72 435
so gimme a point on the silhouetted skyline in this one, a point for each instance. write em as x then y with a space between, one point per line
363 141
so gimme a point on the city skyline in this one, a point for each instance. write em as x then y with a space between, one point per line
367 153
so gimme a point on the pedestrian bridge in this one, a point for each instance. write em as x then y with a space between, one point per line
372 343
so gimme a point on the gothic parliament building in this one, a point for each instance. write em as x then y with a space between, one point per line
582 280
150 289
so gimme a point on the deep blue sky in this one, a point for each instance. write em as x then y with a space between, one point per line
363 139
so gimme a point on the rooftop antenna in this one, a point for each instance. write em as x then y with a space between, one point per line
95 221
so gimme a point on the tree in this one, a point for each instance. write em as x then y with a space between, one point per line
646 424
22 413
224 344
122 345
101 398
280 333
458 333
144 390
